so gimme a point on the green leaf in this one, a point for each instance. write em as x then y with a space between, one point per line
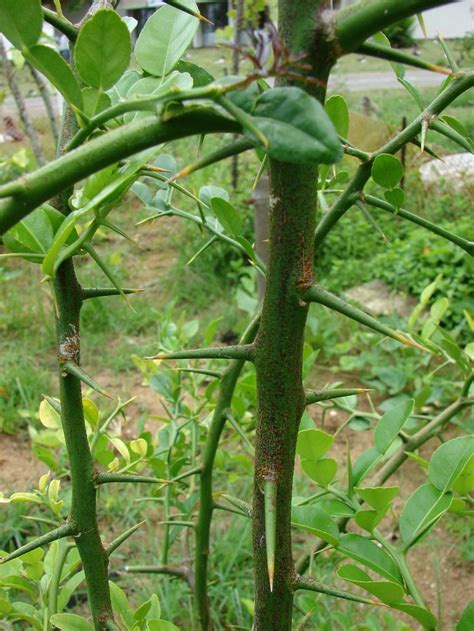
449 460
102 50
316 521
95 101
206 193
369 519
369 554
227 215
388 592
33 234
466 622
201 77
21 21
313 443
50 63
120 604
161 625
421 512
48 416
365 463
296 126
464 483
164 39
387 170
379 497
157 88
424 617
395 196
335 508
70 622
338 112
391 423
320 471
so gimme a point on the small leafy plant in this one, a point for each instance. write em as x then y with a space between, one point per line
115 129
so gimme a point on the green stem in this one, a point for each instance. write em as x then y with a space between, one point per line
56 578
38 187
399 56
59 533
206 504
61 24
465 244
307 583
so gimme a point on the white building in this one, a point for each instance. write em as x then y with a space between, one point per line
451 21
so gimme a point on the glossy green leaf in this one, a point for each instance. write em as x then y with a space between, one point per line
50 63
102 50
70 622
369 554
386 591
449 460
387 170
316 521
395 196
424 617
201 77
456 125
365 463
164 39
421 512
379 497
95 101
21 21
313 443
206 193
335 508
229 218
466 622
120 604
296 126
33 234
368 519
338 112
158 89
320 471
391 423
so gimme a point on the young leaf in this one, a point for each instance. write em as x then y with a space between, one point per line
50 63
369 554
70 622
201 77
387 592
395 196
449 460
424 616
316 521
164 39
391 423
338 112
387 170
296 126
365 463
421 512
378 497
466 622
313 443
21 21
102 50
320 471
227 215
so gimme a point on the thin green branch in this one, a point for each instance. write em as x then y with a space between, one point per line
240 351
59 533
307 583
61 24
171 570
232 149
109 478
356 23
321 296
206 499
355 187
399 56
465 244
315 396
24 195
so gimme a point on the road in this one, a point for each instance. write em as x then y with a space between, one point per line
355 82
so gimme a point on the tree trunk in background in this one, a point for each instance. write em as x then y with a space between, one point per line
20 103
43 88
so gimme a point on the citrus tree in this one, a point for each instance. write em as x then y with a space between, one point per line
115 124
